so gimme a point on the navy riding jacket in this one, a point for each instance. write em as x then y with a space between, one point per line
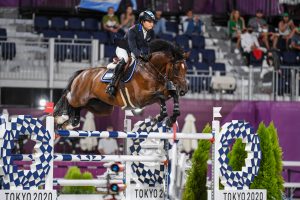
135 40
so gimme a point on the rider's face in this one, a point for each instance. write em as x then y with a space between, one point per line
148 25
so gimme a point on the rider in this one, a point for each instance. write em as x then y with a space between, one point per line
136 43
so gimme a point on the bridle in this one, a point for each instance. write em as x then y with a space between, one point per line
164 77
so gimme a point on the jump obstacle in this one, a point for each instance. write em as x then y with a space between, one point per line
41 171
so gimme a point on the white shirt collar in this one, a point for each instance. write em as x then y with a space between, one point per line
144 32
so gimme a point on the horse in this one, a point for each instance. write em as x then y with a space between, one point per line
147 86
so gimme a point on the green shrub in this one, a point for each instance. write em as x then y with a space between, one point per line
266 178
278 156
237 155
195 188
74 173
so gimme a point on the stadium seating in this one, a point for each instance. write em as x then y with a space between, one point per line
90 24
220 67
41 23
57 23
74 23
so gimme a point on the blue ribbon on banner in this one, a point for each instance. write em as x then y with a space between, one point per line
103 5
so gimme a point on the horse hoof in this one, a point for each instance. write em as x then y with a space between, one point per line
169 122
62 119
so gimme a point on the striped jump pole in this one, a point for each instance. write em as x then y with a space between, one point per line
94 158
92 182
134 135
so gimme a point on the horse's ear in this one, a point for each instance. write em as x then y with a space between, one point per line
186 54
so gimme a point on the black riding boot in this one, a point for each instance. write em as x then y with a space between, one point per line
111 88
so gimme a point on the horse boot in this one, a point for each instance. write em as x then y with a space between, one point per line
170 86
111 88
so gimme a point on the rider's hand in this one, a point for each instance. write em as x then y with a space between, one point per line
145 56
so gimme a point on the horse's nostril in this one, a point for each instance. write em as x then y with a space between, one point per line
182 93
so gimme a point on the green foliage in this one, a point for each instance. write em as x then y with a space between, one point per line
278 156
74 173
266 178
237 155
195 188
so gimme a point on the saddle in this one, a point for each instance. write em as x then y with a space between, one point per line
127 74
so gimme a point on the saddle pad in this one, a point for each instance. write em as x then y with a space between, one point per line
106 78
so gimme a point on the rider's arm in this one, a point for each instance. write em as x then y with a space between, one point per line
132 43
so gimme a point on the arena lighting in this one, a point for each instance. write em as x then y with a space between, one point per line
42 102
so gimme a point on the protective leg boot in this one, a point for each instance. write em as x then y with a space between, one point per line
170 86
111 88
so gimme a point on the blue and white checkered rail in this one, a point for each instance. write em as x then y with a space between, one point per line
94 158
133 135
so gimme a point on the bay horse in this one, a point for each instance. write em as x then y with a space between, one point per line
147 86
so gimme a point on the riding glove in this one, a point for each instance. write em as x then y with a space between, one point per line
145 56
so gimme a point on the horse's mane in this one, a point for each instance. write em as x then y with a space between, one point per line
165 46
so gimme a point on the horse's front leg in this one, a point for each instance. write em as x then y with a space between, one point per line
163 111
176 112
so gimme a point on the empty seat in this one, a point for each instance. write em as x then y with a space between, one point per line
66 36
3 34
83 35
198 41
182 41
49 33
208 56
194 56
220 67
167 37
74 23
57 23
190 69
172 26
101 36
41 23
90 24
202 68
289 58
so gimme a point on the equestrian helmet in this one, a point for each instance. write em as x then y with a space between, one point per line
146 16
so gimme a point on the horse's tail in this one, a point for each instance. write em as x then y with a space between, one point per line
71 79
63 104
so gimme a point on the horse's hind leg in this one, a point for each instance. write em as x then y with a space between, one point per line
61 110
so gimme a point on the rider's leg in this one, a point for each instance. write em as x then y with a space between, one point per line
123 56
111 88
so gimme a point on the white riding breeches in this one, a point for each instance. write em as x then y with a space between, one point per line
122 53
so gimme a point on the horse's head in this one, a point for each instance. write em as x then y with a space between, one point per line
170 68
169 61
178 74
